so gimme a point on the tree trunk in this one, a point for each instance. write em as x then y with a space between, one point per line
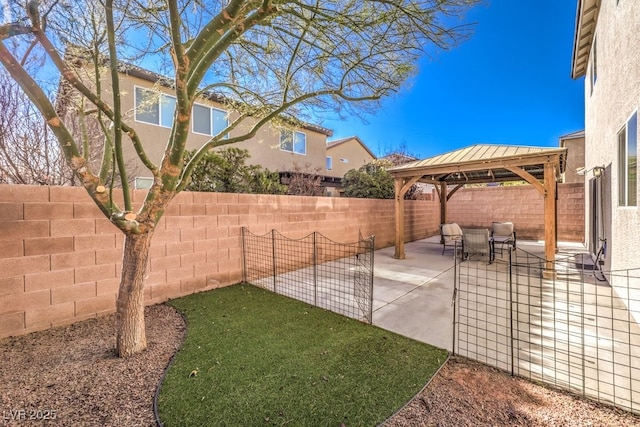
131 336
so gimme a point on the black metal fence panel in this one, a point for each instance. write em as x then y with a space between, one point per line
573 327
314 269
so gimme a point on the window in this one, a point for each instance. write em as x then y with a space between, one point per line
293 142
154 108
628 163
143 183
209 121
329 163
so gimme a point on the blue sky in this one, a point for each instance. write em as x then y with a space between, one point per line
508 84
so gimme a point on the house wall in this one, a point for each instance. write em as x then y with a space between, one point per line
575 159
60 259
615 96
353 152
264 148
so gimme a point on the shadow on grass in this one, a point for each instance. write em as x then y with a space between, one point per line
255 358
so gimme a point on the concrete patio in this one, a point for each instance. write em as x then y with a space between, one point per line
413 296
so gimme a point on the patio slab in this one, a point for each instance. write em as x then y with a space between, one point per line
413 297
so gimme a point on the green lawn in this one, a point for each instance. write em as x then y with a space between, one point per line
254 358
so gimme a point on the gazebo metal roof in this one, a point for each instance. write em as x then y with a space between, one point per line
483 163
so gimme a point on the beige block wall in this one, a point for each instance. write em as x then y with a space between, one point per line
523 205
60 259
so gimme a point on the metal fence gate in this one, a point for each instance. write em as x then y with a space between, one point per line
314 269
570 331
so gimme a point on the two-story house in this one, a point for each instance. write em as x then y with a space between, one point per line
606 53
342 155
150 105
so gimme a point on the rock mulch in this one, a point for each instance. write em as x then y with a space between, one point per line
71 374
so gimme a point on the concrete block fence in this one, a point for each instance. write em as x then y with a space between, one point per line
524 206
60 259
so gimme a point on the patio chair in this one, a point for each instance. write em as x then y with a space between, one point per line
476 241
503 233
449 235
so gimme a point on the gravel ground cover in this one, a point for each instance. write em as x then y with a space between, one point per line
71 374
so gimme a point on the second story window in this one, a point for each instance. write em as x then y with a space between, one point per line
154 108
209 121
329 163
293 142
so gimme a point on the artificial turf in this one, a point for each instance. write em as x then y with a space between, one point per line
253 358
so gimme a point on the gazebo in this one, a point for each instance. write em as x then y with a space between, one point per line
484 163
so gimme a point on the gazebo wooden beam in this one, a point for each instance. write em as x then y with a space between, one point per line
528 177
474 166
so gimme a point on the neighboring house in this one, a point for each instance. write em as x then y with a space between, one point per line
606 52
574 142
342 155
148 99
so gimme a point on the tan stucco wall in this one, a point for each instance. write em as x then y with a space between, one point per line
575 159
264 147
353 152
615 96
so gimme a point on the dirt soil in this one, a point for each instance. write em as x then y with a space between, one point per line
70 376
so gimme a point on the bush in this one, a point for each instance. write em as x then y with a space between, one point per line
371 181
225 171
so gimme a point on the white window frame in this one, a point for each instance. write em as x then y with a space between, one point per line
211 120
160 96
143 182
627 196
283 140
329 164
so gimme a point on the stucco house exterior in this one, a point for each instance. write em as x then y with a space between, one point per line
574 143
343 155
149 105
606 53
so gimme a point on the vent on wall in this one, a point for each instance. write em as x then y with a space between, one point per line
344 160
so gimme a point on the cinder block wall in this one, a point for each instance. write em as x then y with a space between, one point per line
524 206
60 259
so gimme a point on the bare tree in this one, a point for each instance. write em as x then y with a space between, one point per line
29 152
273 61
304 181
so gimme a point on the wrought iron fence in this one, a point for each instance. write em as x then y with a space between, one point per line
314 269
567 328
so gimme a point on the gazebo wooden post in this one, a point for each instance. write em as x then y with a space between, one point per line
444 197
399 212
550 206
401 186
